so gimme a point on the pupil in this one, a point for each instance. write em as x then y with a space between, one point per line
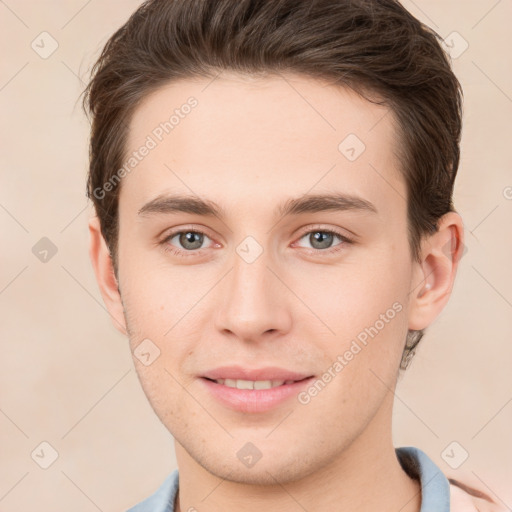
323 238
189 238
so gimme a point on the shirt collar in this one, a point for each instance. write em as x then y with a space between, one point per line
435 488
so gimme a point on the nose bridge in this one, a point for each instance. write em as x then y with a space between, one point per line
253 302
250 275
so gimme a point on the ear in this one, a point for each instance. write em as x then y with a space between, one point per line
435 275
104 271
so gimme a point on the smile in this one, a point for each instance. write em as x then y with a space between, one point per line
252 384
253 396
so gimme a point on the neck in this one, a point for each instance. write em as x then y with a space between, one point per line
366 476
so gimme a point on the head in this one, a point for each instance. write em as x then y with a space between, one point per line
246 113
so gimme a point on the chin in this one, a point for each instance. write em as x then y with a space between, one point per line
270 469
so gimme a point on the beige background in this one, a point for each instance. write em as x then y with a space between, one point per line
67 375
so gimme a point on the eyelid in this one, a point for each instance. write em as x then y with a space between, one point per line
330 251
172 232
169 234
345 239
328 229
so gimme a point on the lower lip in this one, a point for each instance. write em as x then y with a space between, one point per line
255 400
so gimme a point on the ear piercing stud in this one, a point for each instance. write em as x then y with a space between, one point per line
426 288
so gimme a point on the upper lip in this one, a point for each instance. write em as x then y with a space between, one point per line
268 373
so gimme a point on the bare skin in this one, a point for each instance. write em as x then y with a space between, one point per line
250 145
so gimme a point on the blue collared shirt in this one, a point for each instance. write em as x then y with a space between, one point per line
435 488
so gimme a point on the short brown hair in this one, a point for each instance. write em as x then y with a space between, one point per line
375 47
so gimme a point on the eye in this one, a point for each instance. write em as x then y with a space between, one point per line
322 240
188 240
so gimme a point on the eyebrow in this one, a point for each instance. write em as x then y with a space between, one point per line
310 203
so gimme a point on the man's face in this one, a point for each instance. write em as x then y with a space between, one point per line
257 289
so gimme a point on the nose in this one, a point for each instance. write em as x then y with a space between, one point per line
253 301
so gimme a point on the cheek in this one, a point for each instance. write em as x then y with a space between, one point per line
352 297
165 391
157 297
363 313
164 305
160 322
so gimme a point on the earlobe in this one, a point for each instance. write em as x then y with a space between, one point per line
104 271
435 276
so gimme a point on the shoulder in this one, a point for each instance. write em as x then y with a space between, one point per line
459 491
467 495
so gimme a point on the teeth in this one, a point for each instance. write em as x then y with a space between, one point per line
265 384
252 384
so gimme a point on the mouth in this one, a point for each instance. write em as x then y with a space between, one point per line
235 375
253 384
254 396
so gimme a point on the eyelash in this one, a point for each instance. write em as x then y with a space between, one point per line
185 254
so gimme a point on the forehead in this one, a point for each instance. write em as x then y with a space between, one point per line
281 136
